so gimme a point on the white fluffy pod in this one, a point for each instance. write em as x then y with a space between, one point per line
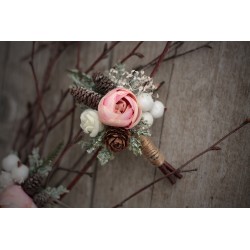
148 118
20 174
5 180
10 162
157 110
146 101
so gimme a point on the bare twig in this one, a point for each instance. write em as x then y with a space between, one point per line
76 163
211 148
78 56
72 122
103 55
55 55
62 154
189 170
42 46
133 53
62 204
161 57
39 98
154 61
83 171
74 171
29 116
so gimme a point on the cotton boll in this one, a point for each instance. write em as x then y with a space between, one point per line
10 162
20 174
5 180
146 101
148 118
157 110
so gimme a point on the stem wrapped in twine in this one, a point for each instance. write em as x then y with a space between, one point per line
156 158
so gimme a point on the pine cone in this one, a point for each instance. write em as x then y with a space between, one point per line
116 139
41 199
102 83
86 97
33 184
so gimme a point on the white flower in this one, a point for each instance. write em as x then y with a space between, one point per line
146 101
157 110
10 162
90 122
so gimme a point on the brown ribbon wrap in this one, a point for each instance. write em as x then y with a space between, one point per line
151 152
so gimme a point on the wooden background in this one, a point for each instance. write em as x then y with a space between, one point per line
207 94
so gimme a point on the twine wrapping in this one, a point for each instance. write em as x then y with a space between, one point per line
151 152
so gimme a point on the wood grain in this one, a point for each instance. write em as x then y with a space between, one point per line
207 93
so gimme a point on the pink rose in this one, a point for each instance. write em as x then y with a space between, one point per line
119 108
14 197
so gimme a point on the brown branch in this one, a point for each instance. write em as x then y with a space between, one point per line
74 171
78 56
83 171
76 163
52 125
153 62
161 57
103 55
62 154
39 98
42 46
65 115
133 53
190 170
61 47
72 122
60 203
211 148
33 105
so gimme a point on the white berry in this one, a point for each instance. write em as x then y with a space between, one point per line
10 162
146 101
148 118
157 110
5 180
20 174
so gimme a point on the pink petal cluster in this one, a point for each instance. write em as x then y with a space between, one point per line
14 197
119 108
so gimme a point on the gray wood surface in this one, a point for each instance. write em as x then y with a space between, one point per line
207 94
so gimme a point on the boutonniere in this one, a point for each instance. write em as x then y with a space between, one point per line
119 108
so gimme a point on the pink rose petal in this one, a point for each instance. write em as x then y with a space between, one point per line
14 197
119 108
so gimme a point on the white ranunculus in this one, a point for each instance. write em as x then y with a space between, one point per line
90 122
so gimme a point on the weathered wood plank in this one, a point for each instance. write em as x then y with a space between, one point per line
209 95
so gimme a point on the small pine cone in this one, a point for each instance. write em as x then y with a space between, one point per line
41 199
33 184
86 97
102 83
116 139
